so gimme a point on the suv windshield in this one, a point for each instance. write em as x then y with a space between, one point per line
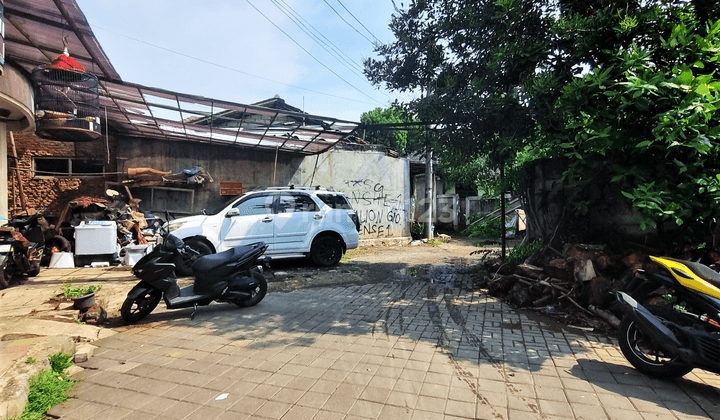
335 201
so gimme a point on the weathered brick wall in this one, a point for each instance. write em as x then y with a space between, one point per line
54 193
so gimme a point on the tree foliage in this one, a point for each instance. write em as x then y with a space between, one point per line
403 139
649 119
467 58
624 90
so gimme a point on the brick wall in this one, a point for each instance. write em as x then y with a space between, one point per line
54 193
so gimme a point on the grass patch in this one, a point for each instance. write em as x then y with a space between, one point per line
435 242
48 388
353 253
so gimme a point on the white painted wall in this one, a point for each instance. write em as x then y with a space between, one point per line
377 185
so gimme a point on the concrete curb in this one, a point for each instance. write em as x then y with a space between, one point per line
15 381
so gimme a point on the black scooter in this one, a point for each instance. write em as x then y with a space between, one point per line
233 276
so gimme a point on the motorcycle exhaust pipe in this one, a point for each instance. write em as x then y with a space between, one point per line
649 324
238 295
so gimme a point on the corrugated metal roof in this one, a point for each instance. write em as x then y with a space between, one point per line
34 36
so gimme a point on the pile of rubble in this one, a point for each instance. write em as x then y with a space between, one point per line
578 286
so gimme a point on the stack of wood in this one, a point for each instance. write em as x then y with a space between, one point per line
580 285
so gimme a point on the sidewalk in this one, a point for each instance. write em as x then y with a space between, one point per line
403 349
32 325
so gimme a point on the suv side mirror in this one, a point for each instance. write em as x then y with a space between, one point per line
232 212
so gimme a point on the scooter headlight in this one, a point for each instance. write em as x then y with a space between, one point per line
6 248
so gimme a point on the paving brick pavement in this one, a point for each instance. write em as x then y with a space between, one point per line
405 349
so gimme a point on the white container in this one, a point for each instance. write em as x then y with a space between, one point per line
62 260
133 253
96 238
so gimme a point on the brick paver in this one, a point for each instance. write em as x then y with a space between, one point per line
405 349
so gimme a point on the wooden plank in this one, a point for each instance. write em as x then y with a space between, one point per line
231 188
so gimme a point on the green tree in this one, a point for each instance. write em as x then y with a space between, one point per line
647 120
624 90
401 137
467 59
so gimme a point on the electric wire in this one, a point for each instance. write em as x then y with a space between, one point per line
320 42
323 41
309 29
358 21
233 69
348 24
312 56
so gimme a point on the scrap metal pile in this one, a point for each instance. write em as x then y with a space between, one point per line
132 224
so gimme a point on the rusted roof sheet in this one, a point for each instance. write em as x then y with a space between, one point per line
34 36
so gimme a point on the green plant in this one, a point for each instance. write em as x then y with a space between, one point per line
669 299
48 388
413 272
487 229
69 291
30 361
417 229
60 361
521 252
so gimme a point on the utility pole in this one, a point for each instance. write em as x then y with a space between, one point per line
503 232
429 193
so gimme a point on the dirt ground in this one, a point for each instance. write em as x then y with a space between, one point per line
374 264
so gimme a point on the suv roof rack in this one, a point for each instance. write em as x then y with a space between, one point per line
293 187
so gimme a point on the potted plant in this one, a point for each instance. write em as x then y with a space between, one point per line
83 297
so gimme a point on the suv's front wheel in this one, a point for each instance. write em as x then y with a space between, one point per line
326 250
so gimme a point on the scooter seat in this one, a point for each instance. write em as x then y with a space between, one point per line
213 261
702 271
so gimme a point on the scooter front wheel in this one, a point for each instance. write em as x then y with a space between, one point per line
133 310
257 294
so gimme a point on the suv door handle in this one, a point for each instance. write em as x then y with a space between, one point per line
318 216
267 220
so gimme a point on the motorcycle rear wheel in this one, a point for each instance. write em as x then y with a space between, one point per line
258 293
133 310
643 354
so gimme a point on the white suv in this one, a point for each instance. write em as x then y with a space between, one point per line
293 222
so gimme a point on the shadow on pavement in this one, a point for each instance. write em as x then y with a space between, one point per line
681 395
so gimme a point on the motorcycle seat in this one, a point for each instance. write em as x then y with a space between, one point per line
702 271
213 261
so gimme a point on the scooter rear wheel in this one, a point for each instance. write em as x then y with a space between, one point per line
643 354
258 293
133 310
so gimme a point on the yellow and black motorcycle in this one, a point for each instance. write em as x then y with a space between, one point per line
672 339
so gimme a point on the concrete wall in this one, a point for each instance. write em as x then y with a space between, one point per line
377 185
254 168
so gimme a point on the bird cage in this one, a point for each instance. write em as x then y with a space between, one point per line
67 101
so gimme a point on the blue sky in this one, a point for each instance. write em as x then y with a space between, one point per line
228 50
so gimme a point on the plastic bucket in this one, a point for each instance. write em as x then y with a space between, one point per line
62 260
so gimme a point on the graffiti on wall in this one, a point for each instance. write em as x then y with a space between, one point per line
380 211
